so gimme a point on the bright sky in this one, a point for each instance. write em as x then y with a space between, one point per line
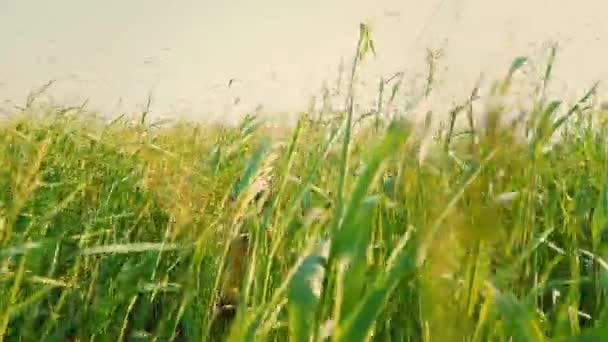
115 52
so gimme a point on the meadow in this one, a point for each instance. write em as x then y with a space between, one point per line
339 229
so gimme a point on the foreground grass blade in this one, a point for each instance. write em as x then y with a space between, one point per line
351 240
303 296
358 324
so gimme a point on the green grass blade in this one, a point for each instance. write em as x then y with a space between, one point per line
303 296
401 264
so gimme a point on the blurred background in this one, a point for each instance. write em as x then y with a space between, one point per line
183 53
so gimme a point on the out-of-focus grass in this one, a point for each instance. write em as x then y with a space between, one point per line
192 232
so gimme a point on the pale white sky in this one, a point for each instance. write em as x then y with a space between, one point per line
115 51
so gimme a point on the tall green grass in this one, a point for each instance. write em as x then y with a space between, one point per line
338 231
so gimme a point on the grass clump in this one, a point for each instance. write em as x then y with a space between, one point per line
191 232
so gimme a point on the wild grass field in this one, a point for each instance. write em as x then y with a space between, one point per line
336 230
